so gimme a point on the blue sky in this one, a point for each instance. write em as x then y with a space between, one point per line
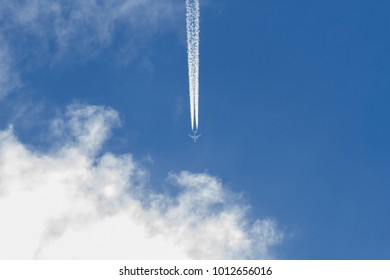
293 107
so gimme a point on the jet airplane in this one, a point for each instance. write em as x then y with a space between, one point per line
195 137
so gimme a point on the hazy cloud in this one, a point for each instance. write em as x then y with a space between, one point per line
75 201
85 27
9 80
40 32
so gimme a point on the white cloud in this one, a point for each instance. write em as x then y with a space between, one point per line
75 201
84 27
39 32
8 77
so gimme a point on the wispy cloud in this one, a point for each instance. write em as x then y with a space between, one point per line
9 79
40 32
75 201
85 27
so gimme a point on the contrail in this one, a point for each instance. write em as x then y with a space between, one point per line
192 7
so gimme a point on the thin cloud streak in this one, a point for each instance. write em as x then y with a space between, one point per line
9 79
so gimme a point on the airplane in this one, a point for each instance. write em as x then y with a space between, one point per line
195 137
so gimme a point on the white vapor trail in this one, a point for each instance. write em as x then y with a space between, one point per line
192 7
